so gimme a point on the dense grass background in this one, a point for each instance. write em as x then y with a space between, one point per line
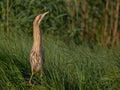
67 67
69 20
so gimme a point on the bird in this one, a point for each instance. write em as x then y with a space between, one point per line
37 52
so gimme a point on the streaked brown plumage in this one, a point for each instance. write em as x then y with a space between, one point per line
36 54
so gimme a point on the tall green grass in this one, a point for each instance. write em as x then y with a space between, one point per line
78 20
67 67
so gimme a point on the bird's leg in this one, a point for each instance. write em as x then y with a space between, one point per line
41 75
30 79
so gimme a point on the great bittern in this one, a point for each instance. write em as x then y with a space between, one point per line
36 55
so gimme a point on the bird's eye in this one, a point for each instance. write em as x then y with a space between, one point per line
39 17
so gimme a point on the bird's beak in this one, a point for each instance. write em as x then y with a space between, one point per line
42 16
45 13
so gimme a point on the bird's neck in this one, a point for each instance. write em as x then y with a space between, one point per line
37 45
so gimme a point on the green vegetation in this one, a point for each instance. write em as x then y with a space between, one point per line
73 34
66 67
70 20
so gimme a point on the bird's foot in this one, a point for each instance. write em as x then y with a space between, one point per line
29 83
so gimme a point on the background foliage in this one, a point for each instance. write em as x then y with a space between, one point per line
76 20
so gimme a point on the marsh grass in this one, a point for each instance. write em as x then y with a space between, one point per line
66 67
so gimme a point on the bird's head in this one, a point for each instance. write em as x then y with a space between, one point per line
39 18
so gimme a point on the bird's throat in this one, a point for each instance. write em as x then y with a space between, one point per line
37 37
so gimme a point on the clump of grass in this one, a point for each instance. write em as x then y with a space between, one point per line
66 67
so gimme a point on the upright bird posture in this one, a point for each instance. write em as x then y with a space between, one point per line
36 55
